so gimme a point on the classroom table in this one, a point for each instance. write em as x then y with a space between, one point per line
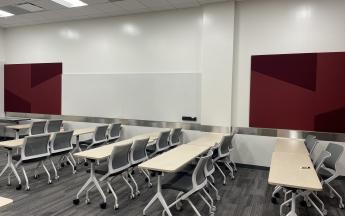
291 167
210 140
17 128
15 120
175 159
5 201
103 152
77 133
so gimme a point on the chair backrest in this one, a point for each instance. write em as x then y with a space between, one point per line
38 127
209 168
53 126
225 145
100 134
163 141
175 137
114 131
310 142
35 146
199 176
138 153
336 151
321 159
119 159
62 141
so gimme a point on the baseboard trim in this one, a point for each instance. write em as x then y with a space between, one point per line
249 166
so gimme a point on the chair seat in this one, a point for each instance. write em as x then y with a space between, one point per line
60 153
324 173
17 157
178 182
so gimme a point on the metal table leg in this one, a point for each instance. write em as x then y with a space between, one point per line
158 196
12 167
77 147
91 180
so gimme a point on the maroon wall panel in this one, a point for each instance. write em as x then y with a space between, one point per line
298 91
33 88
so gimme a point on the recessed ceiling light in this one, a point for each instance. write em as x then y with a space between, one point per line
5 14
30 7
70 3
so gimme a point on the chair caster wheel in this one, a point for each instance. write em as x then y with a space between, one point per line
87 201
36 176
86 164
150 185
132 196
116 207
274 200
224 183
137 193
277 195
9 184
218 198
324 212
19 187
27 189
74 172
214 208
62 165
341 206
76 201
232 177
212 214
103 205
57 178
146 180
50 182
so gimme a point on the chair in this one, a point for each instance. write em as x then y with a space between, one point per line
318 163
329 171
37 127
221 154
176 137
162 144
310 142
114 132
99 137
117 164
188 185
61 145
53 126
138 155
35 149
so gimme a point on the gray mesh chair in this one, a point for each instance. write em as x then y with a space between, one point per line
188 185
176 137
114 132
99 137
118 164
162 144
138 155
37 127
329 171
310 142
221 154
53 126
61 145
35 149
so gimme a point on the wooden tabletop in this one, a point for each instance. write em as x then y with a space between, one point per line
294 171
174 159
19 127
5 201
291 146
82 131
17 143
13 119
153 136
208 140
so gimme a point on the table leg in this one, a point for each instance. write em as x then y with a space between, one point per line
158 196
77 147
11 166
91 180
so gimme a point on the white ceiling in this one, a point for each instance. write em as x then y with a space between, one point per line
96 8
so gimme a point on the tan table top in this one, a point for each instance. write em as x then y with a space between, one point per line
19 127
174 159
105 151
17 143
82 131
5 201
291 146
289 170
208 140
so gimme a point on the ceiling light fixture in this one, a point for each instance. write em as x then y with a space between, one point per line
70 3
5 13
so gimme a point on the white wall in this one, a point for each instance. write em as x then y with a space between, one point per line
151 66
273 27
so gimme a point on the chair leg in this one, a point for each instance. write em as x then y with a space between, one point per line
215 190
26 179
35 172
48 174
211 200
317 208
132 196
212 178
72 165
341 204
147 176
72 159
206 202
137 192
230 169
116 205
221 172
192 205
54 168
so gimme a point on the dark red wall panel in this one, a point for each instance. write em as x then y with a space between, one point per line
33 88
298 91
